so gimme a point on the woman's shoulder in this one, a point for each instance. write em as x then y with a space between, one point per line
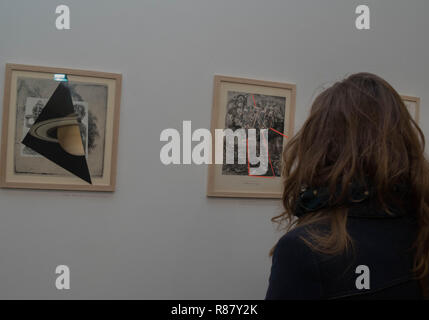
300 235
294 273
295 243
295 236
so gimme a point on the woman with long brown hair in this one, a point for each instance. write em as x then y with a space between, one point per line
356 199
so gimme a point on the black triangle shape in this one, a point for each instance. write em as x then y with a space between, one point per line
59 106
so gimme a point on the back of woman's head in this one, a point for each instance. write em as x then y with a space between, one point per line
359 130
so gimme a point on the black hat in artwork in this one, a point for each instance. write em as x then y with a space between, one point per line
56 134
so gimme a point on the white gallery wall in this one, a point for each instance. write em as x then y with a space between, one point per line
158 236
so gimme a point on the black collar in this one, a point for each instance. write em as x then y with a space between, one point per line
360 200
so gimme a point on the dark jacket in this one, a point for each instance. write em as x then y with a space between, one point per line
381 241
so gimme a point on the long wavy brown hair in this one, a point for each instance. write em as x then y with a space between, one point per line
357 128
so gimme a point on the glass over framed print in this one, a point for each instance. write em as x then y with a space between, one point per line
60 128
249 117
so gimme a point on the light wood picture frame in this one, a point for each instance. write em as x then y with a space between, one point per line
249 103
413 105
97 96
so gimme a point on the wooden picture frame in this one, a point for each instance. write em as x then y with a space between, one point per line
252 96
413 105
27 88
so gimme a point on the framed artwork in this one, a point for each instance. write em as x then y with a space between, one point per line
32 149
240 103
413 105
